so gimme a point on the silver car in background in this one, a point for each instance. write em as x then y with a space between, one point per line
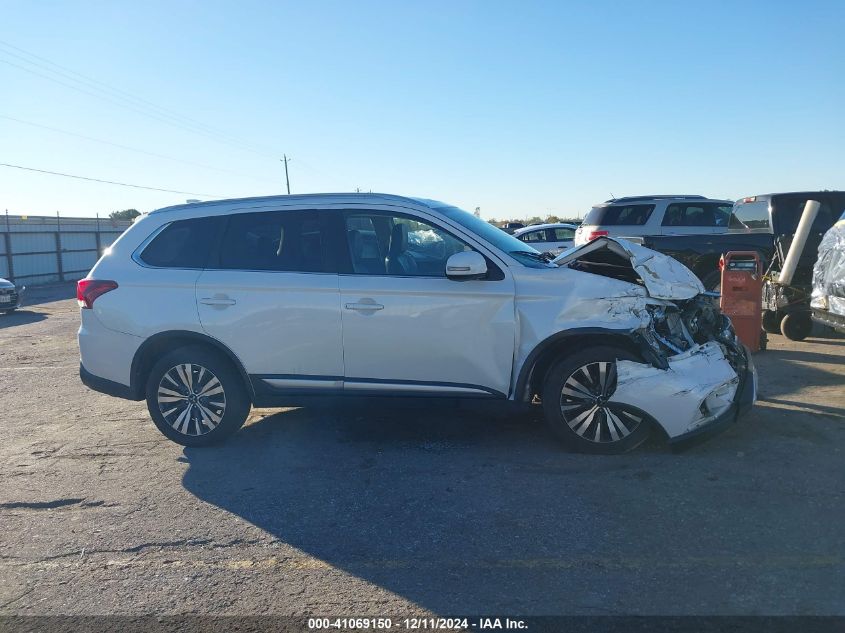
548 238
637 216
10 296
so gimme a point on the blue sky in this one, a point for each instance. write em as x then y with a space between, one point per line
520 108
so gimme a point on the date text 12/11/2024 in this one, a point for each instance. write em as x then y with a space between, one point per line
414 624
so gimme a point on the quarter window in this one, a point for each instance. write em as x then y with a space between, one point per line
396 245
563 235
282 241
182 244
751 215
620 215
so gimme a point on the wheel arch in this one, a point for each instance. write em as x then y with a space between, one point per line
533 372
158 344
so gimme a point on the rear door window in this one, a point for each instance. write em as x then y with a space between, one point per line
534 236
564 235
619 215
697 214
182 244
281 241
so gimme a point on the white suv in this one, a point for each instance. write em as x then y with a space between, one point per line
207 309
638 216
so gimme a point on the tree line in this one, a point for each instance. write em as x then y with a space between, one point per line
549 219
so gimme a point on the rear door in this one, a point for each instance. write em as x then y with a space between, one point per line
538 238
407 328
270 294
562 237
696 218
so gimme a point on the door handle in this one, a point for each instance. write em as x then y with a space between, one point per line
364 307
217 301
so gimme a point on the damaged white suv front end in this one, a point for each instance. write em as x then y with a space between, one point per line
661 349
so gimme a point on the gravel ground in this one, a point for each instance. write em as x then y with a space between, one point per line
361 511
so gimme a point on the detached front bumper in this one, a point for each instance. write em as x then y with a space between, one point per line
745 398
699 394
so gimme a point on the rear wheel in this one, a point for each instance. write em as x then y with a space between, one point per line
771 322
796 326
195 396
580 408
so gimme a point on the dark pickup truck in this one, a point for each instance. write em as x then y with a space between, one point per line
765 224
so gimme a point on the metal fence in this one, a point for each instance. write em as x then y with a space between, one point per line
43 249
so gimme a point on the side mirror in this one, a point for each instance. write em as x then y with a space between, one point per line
466 265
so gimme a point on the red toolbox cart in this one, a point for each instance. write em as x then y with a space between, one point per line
742 295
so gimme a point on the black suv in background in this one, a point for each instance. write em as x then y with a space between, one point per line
766 224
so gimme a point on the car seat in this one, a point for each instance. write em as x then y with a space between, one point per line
399 261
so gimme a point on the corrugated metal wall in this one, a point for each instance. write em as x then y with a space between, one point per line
41 249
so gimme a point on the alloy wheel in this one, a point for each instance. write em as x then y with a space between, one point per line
587 406
191 399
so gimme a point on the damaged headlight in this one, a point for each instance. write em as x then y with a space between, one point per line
676 328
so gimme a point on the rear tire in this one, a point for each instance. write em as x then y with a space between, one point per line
771 322
196 397
796 326
579 407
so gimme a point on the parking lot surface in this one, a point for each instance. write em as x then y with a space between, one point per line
365 511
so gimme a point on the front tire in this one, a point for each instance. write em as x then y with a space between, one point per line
196 397
579 404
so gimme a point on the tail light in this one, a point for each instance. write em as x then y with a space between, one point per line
87 291
595 234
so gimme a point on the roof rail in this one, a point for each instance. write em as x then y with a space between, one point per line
660 197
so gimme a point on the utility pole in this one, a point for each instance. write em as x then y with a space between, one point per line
287 180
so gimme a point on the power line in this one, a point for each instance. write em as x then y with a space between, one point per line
91 81
109 182
109 93
131 149
140 109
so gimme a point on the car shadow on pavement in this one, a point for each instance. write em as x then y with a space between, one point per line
809 364
453 510
462 511
21 316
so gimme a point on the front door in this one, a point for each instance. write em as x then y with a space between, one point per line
409 329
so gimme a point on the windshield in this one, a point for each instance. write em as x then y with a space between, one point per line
520 251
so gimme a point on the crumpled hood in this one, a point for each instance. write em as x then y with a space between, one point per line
663 276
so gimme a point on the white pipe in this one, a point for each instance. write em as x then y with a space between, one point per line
790 263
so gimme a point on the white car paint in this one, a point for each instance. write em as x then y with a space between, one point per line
663 276
543 237
359 333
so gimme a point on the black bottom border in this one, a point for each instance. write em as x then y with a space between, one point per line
269 623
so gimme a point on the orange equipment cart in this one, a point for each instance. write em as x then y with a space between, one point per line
742 298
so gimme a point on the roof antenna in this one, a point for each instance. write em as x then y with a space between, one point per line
612 197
